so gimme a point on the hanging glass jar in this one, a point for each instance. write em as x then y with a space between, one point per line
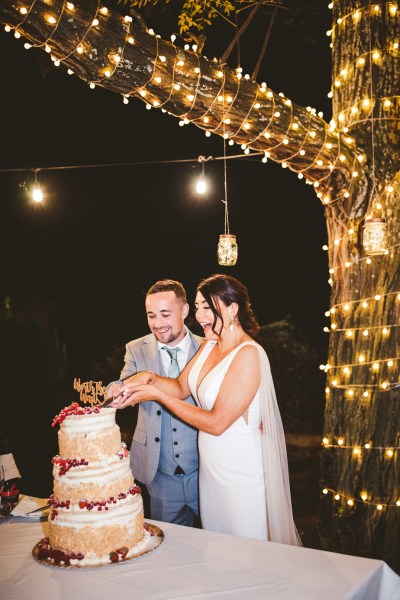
227 250
374 236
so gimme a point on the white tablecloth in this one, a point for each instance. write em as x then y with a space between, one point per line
194 564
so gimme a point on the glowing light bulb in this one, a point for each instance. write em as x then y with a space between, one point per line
52 20
201 186
375 366
95 22
37 194
23 10
350 502
367 446
340 441
349 333
364 496
325 441
104 11
337 497
350 393
356 451
361 358
325 491
379 507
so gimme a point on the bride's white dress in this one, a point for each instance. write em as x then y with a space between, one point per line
231 475
235 497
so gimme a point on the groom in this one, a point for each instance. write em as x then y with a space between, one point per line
164 449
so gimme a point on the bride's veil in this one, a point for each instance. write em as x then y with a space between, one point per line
281 527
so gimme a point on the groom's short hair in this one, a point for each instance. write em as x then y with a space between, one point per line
169 285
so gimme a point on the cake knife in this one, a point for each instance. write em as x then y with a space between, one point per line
38 509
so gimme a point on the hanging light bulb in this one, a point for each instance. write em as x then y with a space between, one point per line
201 185
374 236
37 194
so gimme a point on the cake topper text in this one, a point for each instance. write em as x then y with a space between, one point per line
89 391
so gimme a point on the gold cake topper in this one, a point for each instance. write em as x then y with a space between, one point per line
89 391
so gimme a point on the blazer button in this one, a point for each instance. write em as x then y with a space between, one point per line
157 439
176 455
175 443
174 429
159 412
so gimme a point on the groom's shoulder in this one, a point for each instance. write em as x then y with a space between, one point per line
142 341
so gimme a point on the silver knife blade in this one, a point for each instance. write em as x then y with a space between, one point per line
38 509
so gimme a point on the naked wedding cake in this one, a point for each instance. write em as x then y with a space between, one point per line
96 511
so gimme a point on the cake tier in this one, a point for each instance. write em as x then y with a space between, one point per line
98 480
91 436
98 533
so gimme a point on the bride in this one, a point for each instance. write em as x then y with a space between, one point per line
243 474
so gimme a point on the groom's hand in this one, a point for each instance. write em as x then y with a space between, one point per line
114 390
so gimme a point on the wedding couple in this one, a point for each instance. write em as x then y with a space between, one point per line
222 387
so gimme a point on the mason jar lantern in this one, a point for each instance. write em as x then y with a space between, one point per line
227 250
374 236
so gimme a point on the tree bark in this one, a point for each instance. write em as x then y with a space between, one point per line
349 165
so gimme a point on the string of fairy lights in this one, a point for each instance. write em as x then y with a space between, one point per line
217 112
284 130
383 370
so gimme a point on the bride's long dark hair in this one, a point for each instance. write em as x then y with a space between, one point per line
228 290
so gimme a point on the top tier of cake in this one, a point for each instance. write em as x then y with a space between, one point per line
92 435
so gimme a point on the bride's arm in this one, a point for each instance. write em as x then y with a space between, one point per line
235 395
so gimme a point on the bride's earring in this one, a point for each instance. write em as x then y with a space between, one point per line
231 323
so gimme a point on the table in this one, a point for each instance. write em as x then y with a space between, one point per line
194 564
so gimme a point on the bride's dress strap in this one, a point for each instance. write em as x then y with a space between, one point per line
195 370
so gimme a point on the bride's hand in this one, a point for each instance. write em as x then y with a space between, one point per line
134 394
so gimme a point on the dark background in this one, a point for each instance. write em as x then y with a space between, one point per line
77 266
104 235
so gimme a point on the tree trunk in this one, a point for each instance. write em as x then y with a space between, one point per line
358 408
346 161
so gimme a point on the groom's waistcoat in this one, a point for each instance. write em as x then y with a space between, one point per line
160 441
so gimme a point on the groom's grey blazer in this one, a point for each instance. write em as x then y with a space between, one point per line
143 355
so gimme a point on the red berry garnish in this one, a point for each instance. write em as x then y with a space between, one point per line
82 503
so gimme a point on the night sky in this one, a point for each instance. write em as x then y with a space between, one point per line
103 235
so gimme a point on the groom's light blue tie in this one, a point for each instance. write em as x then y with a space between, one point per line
173 369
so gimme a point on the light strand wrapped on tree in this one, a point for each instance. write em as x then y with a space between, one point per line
361 493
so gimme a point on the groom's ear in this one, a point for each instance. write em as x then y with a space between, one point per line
185 310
